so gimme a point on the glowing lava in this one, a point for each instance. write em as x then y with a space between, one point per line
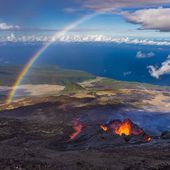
124 128
147 138
113 128
104 128
77 126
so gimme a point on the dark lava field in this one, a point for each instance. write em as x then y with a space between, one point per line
44 137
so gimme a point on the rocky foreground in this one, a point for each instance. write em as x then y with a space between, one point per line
38 137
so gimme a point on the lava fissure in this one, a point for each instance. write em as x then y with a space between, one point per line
77 126
126 127
113 128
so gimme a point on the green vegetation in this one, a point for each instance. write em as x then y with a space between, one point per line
42 75
116 85
70 78
72 87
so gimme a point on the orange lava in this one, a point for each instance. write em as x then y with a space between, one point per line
77 126
124 128
147 138
115 127
104 128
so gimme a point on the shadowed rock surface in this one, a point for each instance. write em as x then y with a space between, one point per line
37 137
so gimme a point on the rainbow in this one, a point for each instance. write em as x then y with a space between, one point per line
33 59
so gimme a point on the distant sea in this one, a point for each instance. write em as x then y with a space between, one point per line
117 61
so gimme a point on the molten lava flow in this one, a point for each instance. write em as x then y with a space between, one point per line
77 126
127 127
104 128
113 128
147 138
124 128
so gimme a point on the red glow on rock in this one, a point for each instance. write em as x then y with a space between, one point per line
147 138
104 128
77 126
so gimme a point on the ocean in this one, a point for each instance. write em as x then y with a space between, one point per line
116 61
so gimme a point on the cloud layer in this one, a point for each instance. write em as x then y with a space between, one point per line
5 26
83 38
163 69
141 54
157 19
150 15
98 5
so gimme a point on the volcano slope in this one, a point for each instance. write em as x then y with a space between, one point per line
79 125
38 137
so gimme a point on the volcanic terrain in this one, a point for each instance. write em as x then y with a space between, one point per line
84 122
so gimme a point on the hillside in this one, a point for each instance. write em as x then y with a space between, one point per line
42 75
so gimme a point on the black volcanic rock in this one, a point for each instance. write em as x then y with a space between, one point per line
165 135
32 139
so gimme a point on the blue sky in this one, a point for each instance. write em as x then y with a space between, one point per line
128 18
35 13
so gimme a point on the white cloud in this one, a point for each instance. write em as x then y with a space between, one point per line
11 37
83 38
5 26
163 69
141 54
156 19
99 5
